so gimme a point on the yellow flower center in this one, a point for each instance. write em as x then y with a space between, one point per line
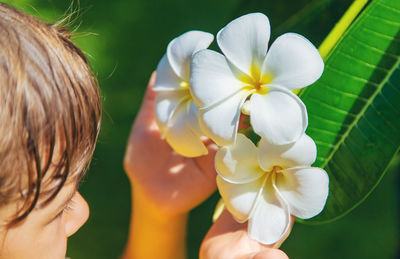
270 177
275 169
256 82
260 88
184 85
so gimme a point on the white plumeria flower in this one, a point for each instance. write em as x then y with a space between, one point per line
220 84
268 183
175 113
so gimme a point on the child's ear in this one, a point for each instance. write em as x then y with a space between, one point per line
77 215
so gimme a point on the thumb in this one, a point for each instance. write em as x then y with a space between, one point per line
270 253
150 94
146 112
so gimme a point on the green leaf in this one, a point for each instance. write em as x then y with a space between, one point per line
341 27
354 109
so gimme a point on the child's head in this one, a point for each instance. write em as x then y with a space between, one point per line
49 122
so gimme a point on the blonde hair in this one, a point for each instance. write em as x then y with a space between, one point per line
50 110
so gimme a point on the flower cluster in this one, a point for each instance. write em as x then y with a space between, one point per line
201 92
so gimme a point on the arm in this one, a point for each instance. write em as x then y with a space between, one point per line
165 187
154 234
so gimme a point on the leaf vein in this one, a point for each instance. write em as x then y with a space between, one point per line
362 112
322 143
377 130
354 77
389 8
380 34
334 108
325 131
362 62
395 108
394 87
330 120
342 91
383 19
373 48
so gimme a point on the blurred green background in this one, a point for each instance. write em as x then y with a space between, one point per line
124 40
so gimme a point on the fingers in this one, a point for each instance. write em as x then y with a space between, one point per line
206 162
280 242
229 239
143 126
150 94
225 224
270 254
145 116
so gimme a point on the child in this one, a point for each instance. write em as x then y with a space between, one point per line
49 122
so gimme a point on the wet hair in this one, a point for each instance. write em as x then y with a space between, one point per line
50 111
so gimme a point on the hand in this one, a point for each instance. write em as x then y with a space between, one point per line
171 183
228 239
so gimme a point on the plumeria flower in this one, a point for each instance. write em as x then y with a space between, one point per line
175 113
268 183
251 80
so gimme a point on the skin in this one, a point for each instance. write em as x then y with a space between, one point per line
228 239
165 189
44 233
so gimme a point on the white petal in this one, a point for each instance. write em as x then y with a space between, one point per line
293 62
270 218
239 198
166 79
181 49
303 152
305 189
165 105
238 163
244 41
193 119
220 122
278 116
211 78
180 136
